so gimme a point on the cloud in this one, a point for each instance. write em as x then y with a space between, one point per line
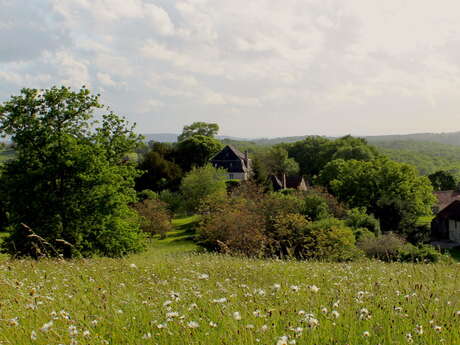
258 68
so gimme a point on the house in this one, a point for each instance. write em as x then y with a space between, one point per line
284 182
237 164
446 225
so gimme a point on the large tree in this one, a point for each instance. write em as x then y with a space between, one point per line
68 188
442 180
196 151
394 192
199 128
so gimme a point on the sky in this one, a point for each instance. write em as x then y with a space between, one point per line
258 68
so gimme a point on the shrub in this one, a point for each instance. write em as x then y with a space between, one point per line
147 194
329 239
156 219
200 183
423 253
287 237
316 207
362 223
173 200
233 228
385 247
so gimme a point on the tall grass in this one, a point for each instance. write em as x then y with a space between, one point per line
173 295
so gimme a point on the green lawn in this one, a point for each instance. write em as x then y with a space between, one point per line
7 154
173 294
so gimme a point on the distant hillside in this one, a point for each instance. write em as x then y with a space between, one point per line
452 138
172 137
161 137
428 157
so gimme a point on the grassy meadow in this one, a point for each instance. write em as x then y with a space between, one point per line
173 294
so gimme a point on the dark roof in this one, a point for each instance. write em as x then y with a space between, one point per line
228 153
292 181
446 197
231 160
452 211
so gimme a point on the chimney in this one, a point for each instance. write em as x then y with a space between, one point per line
246 158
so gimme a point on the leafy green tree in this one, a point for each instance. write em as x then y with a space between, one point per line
201 183
158 173
278 162
196 151
68 188
314 152
442 180
199 128
393 192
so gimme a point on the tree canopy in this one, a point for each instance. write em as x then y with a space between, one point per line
199 128
67 190
392 191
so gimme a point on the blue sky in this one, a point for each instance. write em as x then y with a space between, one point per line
258 68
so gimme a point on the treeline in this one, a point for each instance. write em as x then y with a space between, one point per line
79 187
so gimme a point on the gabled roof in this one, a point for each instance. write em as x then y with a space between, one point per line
231 160
228 153
446 197
452 211
293 181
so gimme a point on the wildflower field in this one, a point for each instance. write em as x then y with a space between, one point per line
173 295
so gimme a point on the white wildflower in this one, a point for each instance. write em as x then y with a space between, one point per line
219 300
203 276
314 288
366 334
147 336
213 324
73 331
295 288
193 324
282 340
133 266
33 335
46 326
237 315
335 314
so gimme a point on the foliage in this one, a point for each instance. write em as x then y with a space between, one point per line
329 239
200 183
158 173
199 128
288 235
443 180
278 163
173 200
69 182
147 194
156 218
357 218
385 247
314 152
393 192
196 151
279 224
427 156
232 227
315 207
391 247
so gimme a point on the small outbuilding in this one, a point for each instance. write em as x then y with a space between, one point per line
285 182
446 225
